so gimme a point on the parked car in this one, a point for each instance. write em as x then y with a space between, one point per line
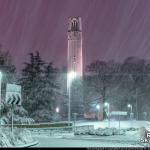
90 115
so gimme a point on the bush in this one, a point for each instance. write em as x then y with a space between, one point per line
20 136
100 132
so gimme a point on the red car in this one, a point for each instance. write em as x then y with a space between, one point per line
90 115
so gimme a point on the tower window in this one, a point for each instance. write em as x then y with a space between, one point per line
74 58
74 25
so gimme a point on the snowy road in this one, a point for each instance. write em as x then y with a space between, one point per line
45 141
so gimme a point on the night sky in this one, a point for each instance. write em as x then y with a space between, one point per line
112 29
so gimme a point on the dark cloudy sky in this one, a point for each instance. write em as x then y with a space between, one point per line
112 29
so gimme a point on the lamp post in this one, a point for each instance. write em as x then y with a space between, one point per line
98 108
0 95
106 104
75 116
130 106
70 77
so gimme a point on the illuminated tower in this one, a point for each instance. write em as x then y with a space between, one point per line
74 60
75 46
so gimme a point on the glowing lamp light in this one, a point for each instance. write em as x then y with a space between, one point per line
129 105
57 109
106 104
72 75
0 74
98 106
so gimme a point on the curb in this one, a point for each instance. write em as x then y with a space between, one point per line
28 145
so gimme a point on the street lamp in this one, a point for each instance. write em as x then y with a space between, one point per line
70 76
75 116
98 108
0 95
130 106
57 109
106 104
131 114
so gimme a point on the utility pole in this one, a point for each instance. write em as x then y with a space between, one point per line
12 120
0 96
75 117
136 104
69 115
71 76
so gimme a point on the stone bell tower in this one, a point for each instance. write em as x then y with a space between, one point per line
75 71
75 46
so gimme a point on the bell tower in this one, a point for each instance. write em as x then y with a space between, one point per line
75 46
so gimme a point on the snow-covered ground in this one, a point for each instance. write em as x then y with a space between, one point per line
16 138
130 139
45 141
115 124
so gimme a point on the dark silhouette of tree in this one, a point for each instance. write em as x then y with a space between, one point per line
135 70
39 86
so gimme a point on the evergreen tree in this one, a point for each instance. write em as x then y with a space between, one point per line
9 75
51 86
39 87
31 80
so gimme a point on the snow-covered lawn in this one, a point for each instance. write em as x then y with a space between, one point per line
129 139
115 124
45 141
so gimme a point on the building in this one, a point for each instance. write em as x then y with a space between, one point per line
75 46
74 68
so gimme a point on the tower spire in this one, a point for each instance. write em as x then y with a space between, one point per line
74 24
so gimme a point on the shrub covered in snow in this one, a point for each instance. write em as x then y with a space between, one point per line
81 132
22 120
92 132
100 131
42 115
4 120
56 117
19 113
19 137
84 130
131 129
